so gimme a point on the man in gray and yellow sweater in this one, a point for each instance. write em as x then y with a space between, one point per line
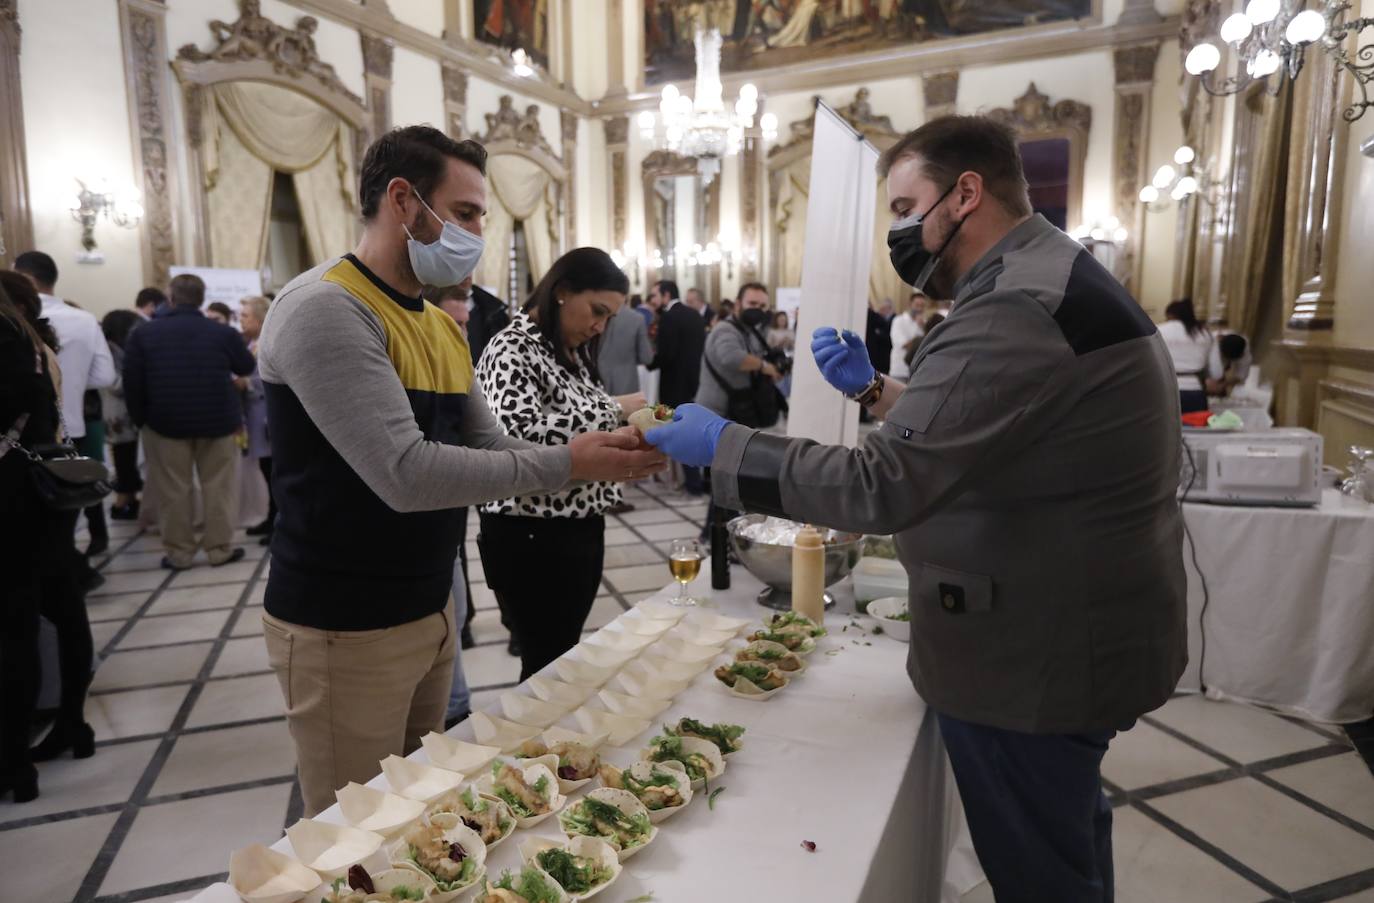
379 436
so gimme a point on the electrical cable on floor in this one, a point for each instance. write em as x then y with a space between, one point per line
1192 547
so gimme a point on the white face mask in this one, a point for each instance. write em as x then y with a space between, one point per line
447 260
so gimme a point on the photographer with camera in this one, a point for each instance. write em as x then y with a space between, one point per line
739 371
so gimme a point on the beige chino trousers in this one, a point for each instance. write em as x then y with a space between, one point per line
354 697
173 465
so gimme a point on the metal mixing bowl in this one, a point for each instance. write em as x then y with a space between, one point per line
772 563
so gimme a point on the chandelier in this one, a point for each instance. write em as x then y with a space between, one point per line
702 126
1272 37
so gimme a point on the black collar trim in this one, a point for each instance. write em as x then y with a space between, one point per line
416 304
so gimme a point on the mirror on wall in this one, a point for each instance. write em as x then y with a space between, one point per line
681 224
1047 162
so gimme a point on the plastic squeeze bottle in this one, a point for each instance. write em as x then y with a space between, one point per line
808 574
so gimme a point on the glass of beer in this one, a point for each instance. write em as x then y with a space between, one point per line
684 560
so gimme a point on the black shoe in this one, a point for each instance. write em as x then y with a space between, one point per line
22 782
261 529
465 638
167 564
90 580
620 508
266 540
236 555
124 512
80 739
99 545
513 648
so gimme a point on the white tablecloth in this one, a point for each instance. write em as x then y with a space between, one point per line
848 756
1290 622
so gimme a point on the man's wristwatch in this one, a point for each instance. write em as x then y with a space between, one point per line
869 394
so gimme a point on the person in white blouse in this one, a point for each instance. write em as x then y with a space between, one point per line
542 555
84 355
1194 352
907 328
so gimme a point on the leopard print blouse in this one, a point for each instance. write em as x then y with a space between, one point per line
537 399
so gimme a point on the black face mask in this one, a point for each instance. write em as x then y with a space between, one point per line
754 317
908 253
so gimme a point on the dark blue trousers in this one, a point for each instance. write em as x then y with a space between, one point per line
1040 822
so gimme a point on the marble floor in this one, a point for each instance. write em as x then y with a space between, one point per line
1213 802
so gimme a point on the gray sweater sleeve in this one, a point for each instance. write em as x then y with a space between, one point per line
330 351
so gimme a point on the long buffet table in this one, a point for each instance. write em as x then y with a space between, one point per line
847 757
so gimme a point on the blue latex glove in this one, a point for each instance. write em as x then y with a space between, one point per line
843 359
692 436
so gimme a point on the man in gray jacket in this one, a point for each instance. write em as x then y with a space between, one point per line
624 348
1029 470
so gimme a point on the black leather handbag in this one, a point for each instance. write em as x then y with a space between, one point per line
64 479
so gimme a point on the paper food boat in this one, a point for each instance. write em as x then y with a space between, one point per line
583 673
620 640
518 877
701 637
623 800
621 728
453 831
522 709
643 771
262 875
557 734
635 680
805 644
747 689
585 847
603 656
415 781
660 668
738 742
504 735
781 657
566 694
714 621
640 625
451 803
715 762
376 810
661 610
531 772
330 849
689 653
633 706
398 876
565 785
457 755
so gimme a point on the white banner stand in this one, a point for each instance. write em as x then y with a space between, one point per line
834 289
225 285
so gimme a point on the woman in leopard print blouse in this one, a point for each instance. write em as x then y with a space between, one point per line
542 555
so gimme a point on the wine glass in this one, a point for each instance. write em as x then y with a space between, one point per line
684 561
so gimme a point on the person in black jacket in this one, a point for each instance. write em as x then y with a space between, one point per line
487 317
178 384
681 341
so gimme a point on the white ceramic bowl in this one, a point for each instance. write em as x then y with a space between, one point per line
884 610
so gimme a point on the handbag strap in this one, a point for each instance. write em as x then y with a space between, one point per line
11 438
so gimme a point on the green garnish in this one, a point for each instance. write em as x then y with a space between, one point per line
724 736
877 629
769 654
902 616
790 618
644 899
756 673
338 883
404 892
711 800
666 749
576 874
596 818
469 799
533 886
467 872
541 785
516 806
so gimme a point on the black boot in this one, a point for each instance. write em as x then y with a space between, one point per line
100 535
20 780
65 735
262 529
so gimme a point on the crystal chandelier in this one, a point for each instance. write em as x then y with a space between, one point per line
702 126
1273 36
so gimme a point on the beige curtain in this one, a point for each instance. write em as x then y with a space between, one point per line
793 193
237 202
254 128
522 191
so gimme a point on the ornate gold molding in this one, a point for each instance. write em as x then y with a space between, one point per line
377 57
143 25
455 98
522 129
941 92
667 163
1033 117
1135 76
617 136
947 54
16 217
567 121
858 113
